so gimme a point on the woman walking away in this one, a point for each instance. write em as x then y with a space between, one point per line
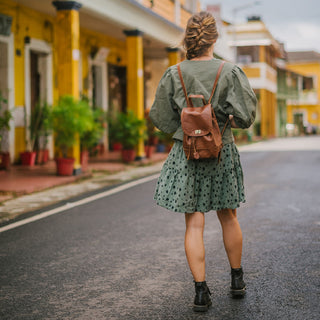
197 186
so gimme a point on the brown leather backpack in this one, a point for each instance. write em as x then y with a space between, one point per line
202 138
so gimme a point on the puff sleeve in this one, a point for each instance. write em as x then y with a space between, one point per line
241 100
164 113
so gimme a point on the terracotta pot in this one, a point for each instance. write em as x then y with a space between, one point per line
5 160
117 146
128 155
28 158
39 157
45 158
149 150
42 156
84 160
65 166
153 141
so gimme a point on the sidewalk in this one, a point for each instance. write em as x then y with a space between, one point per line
24 189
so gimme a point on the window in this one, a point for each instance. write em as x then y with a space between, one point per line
248 54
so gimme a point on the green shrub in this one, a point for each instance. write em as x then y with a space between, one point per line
70 119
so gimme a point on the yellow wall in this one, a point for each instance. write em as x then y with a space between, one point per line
90 39
36 25
26 22
268 113
252 72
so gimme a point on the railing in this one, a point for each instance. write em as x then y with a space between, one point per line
308 97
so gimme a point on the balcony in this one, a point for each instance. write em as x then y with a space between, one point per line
307 97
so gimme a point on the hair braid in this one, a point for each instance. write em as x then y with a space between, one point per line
201 33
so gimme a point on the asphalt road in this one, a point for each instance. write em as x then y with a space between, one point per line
121 257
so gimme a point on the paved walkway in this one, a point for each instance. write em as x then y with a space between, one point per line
24 189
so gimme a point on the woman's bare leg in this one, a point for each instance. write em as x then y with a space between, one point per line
232 236
194 245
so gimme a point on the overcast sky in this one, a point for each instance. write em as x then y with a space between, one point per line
296 23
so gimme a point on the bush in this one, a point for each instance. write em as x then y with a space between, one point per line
70 119
127 129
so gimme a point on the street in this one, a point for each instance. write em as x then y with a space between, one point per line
122 257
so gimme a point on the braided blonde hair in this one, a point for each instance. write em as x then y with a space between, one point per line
201 32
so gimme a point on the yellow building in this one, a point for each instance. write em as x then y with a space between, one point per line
304 111
112 51
256 52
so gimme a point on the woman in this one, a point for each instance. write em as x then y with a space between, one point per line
194 187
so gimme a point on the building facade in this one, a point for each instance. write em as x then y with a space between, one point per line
304 111
52 48
256 52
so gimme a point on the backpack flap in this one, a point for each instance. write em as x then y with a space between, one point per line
197 121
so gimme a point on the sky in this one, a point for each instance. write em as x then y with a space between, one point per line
296 23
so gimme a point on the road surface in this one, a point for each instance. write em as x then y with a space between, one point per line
122 257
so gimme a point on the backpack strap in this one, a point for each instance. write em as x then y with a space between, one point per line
214 89
216 81
189 102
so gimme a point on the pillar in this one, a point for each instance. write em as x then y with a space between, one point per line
68 44
173 56
264 112
263 98
135 84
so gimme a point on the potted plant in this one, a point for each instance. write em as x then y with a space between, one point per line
164 142
92 137
5 117
44 133
112 133
28 157
40 128
129 130
152 139
70 119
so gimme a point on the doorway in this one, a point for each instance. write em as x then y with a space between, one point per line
7 90
117 89
98 92
38 86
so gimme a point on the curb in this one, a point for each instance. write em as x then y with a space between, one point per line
28 205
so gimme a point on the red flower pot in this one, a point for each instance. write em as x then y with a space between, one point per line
28 158
128 155
149 150
84 160
117 146
39 157
42 156
5 160
45 158
65 166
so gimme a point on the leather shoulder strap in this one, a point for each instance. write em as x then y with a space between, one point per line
183 86
216 80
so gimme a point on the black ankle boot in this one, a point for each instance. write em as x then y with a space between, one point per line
202 300
238 286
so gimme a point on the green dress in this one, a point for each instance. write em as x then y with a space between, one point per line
202 185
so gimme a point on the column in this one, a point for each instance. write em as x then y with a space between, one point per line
264 97
135 84
173 56
264 112
68 44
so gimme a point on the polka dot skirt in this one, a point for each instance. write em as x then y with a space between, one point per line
200 185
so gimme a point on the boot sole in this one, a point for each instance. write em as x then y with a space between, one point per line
238 293
200 308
